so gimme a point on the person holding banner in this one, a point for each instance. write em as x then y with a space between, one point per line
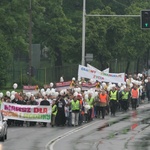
45 102
21 102
113 97
32 102
54 112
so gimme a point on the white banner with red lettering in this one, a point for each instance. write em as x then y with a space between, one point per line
87 86
63 85
106 70
90 73
32 89
26 112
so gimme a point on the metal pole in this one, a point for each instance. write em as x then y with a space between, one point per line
30 39
83 32
116 65
45 75
21 76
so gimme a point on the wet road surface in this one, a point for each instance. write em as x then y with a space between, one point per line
129 131
124 132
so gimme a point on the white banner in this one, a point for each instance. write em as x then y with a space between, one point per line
26 112
106 70
32 89
91 73
63 85
92 67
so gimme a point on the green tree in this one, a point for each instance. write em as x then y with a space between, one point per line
137 40
14 33
104 35
54 31
5 57
14 25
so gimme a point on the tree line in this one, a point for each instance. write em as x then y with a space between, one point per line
57 25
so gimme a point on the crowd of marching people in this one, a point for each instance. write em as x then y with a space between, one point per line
73 107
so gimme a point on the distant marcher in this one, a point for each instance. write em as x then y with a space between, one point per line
97 107
60 117
147 88
32 102
21 102
90 102
45 102
125 95
54 113
113 97
75 107
134 97
103 98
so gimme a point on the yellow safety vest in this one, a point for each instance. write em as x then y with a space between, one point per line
90 102
54 109
125 95
75 105
113 95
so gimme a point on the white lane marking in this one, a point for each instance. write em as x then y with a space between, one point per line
51 143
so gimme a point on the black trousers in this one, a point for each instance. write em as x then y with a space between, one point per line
124 105
103 110
86 118
134 103
148 95
97 111
90 114
19 122
32 123
113 106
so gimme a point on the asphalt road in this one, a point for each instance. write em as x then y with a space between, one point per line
127 131
30 138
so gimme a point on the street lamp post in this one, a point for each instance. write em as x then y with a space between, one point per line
30 39
116 65
83 32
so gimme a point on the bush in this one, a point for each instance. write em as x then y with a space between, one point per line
25 81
